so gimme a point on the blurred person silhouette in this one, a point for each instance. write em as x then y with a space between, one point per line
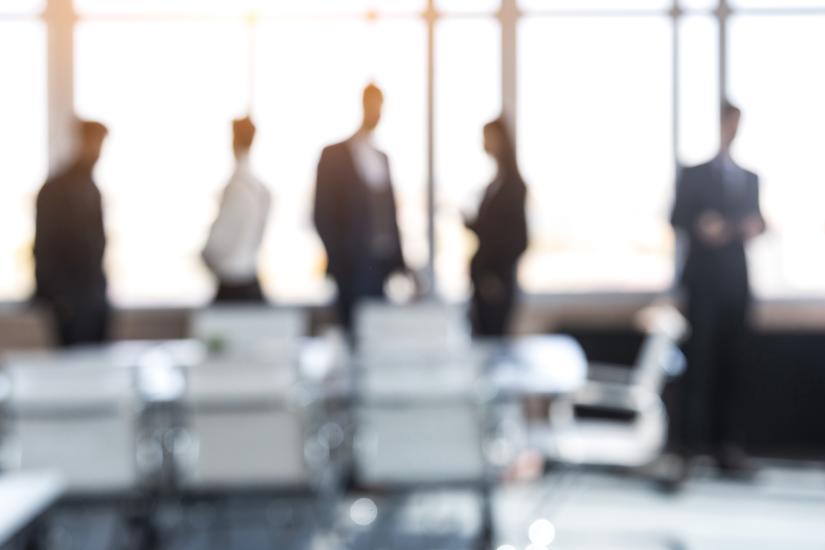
501 228
717 210
355 213
70 243
234 242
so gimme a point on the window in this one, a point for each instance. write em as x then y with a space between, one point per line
23 142
780 85
467 97
597 151
582 5
303 103
698 90
606 97
168 102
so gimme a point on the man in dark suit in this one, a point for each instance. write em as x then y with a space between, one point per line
355 213
717 210
69 245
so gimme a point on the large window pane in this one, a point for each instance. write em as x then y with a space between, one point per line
168 92
780 4
325 7
23 141
776 76
698 89
595 110
468 6
304 102
612 5
698 4
21 6
467 77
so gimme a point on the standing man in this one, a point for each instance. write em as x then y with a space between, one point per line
717 210
231 251
355 213
69 245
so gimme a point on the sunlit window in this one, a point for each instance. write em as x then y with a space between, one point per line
609 97
168 102
698 90
23 143
576 5
468 95
780 85
18 7
595 131
780 4
303 103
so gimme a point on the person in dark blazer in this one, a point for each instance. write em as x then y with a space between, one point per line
501 228
69 245
717 211
355 213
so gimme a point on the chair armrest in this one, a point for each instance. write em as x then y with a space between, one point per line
609 373
620 397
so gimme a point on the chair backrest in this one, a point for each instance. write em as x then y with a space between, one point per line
659 356
411 332
75 413
270 333
246 430
414 429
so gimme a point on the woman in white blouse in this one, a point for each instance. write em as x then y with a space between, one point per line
231 251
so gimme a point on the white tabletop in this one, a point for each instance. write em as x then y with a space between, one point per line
539 365
519 367
23 498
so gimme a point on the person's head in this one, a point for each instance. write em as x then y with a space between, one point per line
729 124
373 102
90 138
243 135
499 144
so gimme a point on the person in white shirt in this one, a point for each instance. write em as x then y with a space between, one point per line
355 213
231 251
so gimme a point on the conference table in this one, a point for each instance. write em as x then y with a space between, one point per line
357 397
24 499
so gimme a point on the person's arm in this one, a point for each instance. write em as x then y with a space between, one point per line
224 232
100 228
753 224
43 242
683 214
325 208
400 262
503 229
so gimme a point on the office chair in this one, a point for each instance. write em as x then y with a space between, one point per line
248 427
420 419
255 332
422 332
77 414
627 424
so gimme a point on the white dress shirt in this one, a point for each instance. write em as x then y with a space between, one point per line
234 241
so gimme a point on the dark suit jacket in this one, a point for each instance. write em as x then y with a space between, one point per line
69 238
343 217
714 269
501 227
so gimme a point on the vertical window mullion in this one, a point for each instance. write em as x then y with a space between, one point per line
431 17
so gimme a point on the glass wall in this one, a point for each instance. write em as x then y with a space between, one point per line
606 98
23 139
